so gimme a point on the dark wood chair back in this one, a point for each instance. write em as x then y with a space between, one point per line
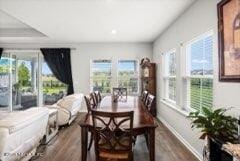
120 93
93 100
144 96
113 134
149 102
88 103
98 96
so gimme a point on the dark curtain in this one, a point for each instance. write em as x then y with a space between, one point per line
1 50
59 61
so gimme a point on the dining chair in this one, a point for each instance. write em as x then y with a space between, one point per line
149 102
90 106
113 133
120 93
93 99
88 103
144 96
98 96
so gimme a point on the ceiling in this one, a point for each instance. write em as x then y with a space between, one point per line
7 21
84 21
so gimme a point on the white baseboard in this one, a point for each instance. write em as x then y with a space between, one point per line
180 138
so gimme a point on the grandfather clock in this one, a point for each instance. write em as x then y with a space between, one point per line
148 79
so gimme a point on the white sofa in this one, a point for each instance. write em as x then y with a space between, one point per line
21 132
68 108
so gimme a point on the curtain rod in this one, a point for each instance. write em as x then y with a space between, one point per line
30 48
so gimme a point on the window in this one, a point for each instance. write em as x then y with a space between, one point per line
170 76
101 76
128 75
53 89
200 72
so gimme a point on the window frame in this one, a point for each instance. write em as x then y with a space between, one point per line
187 70
110 77
167 76
137 76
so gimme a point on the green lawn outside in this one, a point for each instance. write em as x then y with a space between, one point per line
46 90
207 96
51 85
51 90
103 84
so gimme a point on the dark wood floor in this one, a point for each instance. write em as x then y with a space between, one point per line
66 147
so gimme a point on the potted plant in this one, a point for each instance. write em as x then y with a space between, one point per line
216 127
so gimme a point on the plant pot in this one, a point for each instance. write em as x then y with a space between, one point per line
206 150
216 152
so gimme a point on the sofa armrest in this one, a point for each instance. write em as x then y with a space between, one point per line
63 115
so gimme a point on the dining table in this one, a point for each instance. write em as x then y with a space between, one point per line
143 121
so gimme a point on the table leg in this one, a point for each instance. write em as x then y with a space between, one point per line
84 141
147 139
152 144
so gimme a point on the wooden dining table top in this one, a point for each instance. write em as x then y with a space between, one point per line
142 118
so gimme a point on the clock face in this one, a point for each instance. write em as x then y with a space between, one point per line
146 72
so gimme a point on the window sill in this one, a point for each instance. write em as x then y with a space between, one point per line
174 107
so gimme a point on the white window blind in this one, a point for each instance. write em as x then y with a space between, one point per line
128 75
101 76
170 76
200 72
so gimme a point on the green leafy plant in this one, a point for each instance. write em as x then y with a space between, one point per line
214 124
17 86
23 74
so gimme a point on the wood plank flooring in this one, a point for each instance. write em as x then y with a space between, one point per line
66 146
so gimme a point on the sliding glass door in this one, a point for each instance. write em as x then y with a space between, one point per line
5 71
24 80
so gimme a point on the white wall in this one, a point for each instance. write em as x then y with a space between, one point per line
199 18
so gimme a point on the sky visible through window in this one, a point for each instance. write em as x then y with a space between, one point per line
126 66
102 66
45 69
201 56
122 66
172 64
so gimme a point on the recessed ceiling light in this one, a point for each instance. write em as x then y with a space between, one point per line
113 32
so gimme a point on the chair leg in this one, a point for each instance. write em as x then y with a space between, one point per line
91 141
131 157
134 140
147 141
